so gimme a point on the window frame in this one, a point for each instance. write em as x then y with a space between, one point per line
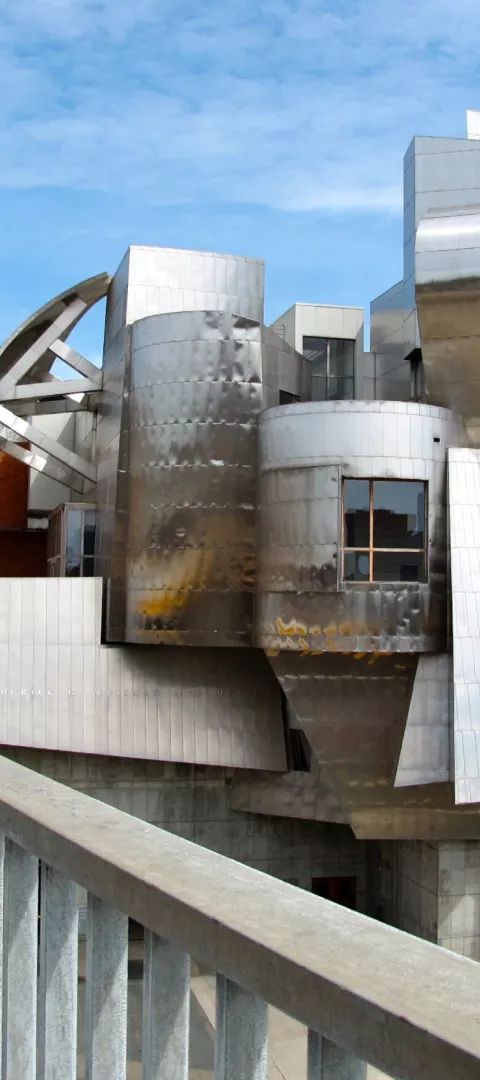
57 560
330 377
371 551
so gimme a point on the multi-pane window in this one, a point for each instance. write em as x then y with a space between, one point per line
71 541
80 543
384 530
332 361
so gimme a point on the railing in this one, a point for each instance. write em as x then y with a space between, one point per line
410 1008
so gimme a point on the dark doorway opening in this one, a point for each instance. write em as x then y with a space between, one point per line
342 890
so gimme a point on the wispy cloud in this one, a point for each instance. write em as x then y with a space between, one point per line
296 105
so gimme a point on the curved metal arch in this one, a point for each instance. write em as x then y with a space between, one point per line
89 291
25 361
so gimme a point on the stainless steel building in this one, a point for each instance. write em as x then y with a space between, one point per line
275 540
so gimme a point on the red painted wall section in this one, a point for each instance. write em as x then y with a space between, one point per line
13 493
23 553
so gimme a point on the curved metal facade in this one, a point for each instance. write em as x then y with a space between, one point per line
196 389
304 452
447 272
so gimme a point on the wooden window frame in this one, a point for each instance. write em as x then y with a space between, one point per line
371 551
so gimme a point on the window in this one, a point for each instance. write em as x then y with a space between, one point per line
332 361
80 546
341 890
384 533
71 541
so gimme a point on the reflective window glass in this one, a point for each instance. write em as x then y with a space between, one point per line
387 518
74 531
398 514
340 389
332 361
398 566
356 508
88 567
341 357
319 388
356 565
74 543
89 532
316 350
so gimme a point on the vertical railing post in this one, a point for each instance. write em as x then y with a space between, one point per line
166 1010
327 1061
106 992
57 1001
19 1014
241 1033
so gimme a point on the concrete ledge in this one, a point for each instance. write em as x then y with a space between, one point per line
407 1007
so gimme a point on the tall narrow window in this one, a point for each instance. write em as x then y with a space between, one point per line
71 541
332 361
384 530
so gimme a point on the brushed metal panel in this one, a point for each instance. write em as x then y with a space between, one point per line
425 753
190 544
61 689
447 267
464 517
353 710
302 604
167 421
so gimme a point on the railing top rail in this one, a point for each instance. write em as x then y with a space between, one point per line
406 1006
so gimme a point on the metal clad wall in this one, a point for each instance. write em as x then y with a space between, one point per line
438 174
112 451
425 754
150 281
190 563
387 342
447 267
283 369
61 689
464 514
304 450
163 280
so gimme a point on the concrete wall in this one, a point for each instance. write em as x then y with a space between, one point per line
459 897
430 890
403 886
193 802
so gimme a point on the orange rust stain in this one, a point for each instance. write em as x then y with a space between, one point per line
187 570
289 629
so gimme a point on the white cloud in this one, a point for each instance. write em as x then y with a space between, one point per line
294 104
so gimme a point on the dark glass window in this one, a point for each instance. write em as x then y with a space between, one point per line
80 546
356 566
398 514
384 530
356 509
89 532
332 361
74 543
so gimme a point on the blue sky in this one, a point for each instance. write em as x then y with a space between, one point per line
274 129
